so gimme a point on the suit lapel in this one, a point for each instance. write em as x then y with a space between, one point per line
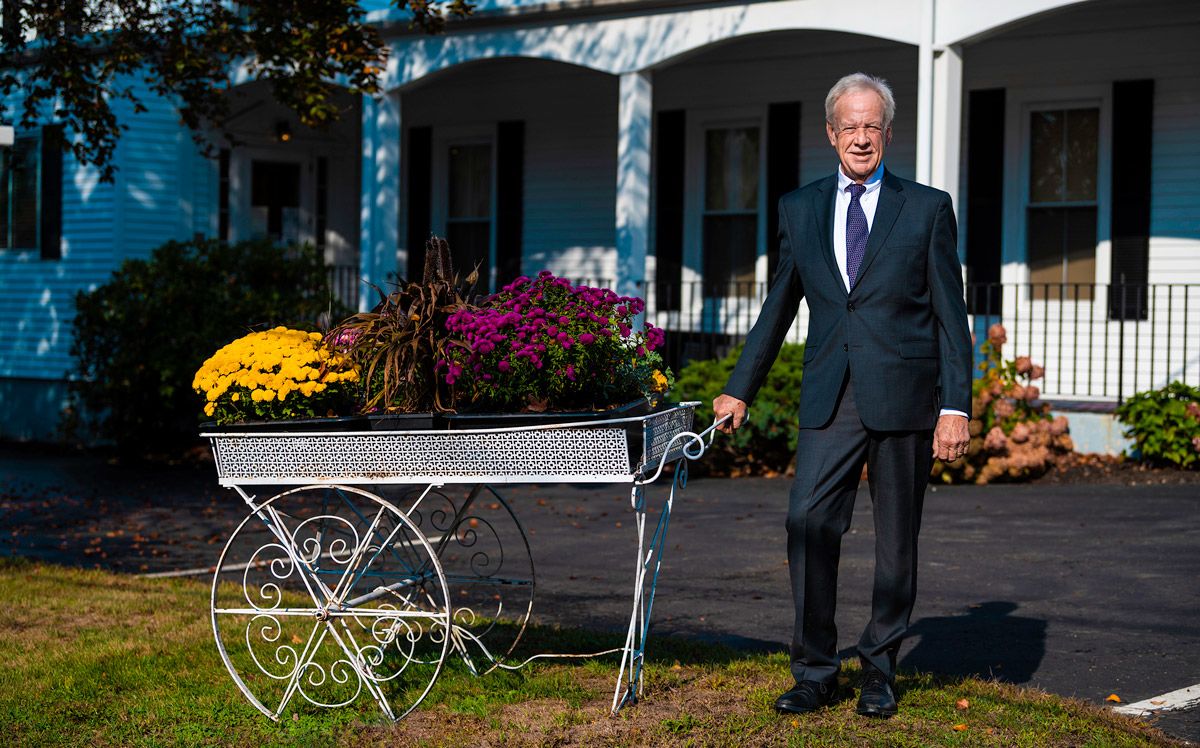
823 206
891 200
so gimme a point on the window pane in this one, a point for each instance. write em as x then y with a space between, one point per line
730 248
1062 249
25 193
275 200
731 169
469 243
1046 157
1083 147
470 176
1045 246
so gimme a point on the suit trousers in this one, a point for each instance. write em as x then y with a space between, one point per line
829 464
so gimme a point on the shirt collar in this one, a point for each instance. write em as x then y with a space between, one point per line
873 182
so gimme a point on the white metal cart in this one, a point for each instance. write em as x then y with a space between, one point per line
363 575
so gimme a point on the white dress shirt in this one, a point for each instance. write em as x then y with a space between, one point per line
869 201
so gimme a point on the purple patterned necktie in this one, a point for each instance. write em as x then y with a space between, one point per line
856 233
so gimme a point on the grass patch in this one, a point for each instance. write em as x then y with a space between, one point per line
93 658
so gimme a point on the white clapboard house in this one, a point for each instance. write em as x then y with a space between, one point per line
644 143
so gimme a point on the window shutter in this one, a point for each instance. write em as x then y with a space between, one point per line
510 199
783 169
51 192
420 185
668 208
985 199
1132 133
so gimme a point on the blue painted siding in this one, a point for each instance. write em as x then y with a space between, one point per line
151 201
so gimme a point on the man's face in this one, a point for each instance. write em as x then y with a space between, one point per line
858 134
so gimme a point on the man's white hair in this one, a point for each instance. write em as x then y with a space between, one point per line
862 82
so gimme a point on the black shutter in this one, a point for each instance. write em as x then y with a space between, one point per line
510 199
1133 130
985 199
783 169
52 177
420 185
668 208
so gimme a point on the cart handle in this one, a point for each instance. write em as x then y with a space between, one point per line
693 448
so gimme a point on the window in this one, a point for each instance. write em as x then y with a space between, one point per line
19 194
1062 212
275 200
469 208
730 226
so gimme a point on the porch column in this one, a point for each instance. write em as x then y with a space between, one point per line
633 181
925 93
947 121
379 215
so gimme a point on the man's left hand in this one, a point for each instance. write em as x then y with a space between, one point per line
950 437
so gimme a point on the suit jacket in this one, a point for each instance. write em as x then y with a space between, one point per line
902 331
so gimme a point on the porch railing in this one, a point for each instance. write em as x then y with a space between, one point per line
1097 342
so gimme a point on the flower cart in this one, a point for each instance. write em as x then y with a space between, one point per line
360 574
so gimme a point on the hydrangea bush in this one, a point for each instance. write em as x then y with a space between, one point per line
276 374
1013 437
543 344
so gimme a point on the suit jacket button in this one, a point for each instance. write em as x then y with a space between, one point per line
850 306
846 347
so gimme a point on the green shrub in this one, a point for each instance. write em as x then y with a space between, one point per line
140 337
1165 425
767 443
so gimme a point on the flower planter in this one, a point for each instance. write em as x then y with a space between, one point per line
608 447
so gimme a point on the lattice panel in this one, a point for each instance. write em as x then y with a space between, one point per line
592 454
660 429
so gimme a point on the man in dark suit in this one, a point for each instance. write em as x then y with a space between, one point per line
887 380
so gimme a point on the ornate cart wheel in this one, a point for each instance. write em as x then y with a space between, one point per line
326 594
489 569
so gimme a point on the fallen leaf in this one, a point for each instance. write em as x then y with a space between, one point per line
960 727
962 704
795 723
677 666
296 639
1113 697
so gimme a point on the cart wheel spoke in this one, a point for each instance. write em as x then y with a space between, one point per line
343 602
489 570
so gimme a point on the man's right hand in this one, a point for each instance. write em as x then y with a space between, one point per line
726 405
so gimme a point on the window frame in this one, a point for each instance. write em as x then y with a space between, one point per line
698 123
445 138
36 136
1021 105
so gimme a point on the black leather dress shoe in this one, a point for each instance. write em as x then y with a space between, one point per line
878 696
805 696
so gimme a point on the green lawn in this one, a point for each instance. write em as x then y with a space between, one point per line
91 658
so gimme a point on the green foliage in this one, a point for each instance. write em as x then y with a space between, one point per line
140 338
767 443
1165 425
81 58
